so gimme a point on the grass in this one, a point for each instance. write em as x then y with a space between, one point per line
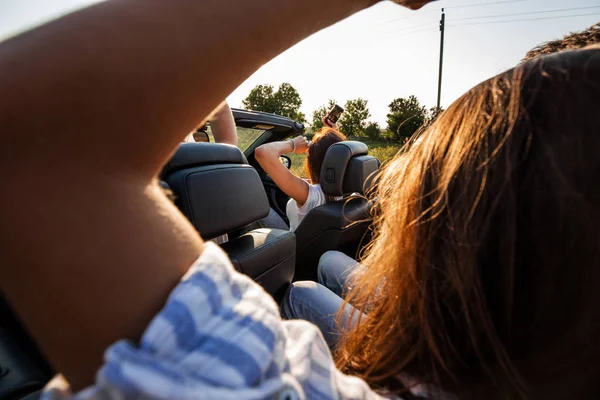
246 136
382 150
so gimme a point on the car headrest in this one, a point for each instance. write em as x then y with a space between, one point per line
215 188
190 155
347 168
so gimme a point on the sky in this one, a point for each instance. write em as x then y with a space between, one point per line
387 51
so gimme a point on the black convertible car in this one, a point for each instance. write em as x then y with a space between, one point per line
221 189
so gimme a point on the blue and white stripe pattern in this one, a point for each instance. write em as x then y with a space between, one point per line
220 336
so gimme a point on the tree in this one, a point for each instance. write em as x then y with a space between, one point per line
434 112
406 116
354 119
320 113
373 131
261 98
286 101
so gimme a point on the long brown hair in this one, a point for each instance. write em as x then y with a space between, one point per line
483 280
321 142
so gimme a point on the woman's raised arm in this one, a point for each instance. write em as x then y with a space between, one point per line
91 106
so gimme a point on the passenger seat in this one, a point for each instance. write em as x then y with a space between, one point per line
347 171
219 192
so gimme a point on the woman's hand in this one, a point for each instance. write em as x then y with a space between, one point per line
330 124
301 144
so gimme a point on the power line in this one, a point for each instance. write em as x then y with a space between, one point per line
405 33
525 19
408 28
421 31
486 4
428 12
418 14
525 13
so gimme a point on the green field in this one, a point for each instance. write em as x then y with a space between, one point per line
381 150
247 136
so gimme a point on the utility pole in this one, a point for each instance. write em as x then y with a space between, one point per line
442 29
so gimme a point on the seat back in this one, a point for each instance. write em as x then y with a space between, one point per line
347 171
219 192
215 188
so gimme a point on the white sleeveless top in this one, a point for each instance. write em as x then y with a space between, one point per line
296 214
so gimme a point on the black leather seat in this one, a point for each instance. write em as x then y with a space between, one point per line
347 171
216 189
219 192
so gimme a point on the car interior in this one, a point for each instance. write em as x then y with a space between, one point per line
225 195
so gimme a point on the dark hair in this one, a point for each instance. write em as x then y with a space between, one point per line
484 277
572 41
317 149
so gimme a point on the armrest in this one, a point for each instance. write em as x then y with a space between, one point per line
266 255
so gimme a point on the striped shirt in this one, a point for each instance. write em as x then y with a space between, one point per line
220 336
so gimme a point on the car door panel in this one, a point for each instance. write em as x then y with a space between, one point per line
277 199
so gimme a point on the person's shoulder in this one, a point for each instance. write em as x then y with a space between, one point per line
316 196
316 186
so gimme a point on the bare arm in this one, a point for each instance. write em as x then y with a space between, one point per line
92 105
268 155
222 125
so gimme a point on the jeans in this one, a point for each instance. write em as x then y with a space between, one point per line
320 303
335 269
273 221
